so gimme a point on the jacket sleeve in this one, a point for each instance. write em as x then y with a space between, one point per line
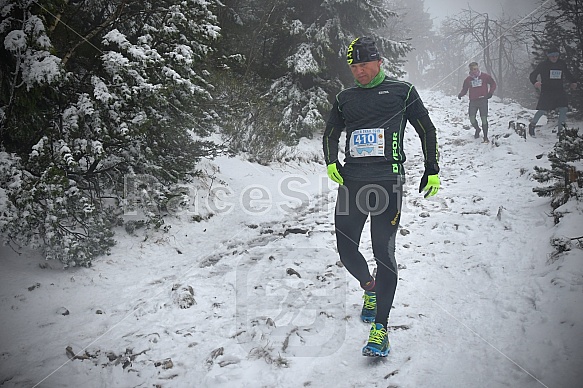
332 134
568 75
331 140
493 85
465 87
535 73
428 135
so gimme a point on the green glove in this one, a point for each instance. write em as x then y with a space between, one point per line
334 174
429 184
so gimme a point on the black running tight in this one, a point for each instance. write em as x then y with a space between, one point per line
382 201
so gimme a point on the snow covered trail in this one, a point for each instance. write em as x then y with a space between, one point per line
478 265
474 304
253 298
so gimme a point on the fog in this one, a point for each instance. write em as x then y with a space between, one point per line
439 61
440 9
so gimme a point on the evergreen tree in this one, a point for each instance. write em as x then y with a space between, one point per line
564 185
101 96
292 60
565 175
95 92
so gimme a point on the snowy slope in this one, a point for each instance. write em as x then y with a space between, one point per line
254 296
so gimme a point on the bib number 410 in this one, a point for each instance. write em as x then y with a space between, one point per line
365 138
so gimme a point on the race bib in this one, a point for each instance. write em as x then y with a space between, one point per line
556 74
367 142
476 82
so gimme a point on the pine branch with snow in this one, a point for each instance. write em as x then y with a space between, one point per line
566 172
98 94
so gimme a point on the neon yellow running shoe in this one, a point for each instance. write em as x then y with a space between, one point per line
378 342
369 308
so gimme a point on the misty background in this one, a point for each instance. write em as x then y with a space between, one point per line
506 38
440 9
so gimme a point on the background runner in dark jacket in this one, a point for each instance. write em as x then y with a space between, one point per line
549 76
374 114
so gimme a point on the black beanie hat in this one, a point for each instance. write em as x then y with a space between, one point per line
362 50
552 50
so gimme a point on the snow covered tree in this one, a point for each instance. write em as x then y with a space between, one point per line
293 59
566 173
319 34
565 187
95 92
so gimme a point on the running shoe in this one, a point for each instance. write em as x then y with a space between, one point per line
378 342
369 308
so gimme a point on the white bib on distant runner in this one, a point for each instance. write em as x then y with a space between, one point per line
476 82
556 74
367 142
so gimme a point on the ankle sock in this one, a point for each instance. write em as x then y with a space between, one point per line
369 286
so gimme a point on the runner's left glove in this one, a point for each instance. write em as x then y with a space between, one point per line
430 181
429 184
334 174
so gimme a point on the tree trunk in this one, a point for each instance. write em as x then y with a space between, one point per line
500 80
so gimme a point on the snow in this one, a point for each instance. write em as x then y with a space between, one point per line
41 67
254 296
15 41
302 61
